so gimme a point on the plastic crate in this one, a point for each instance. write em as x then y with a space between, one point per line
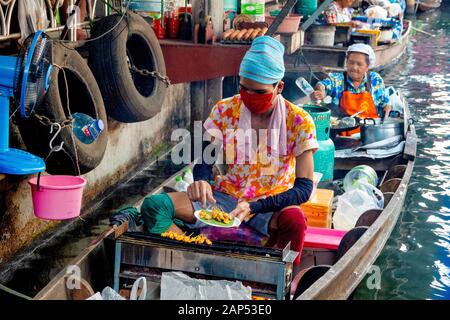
318 209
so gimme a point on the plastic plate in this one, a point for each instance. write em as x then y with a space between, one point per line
214 223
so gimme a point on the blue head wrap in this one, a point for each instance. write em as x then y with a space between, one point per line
264 62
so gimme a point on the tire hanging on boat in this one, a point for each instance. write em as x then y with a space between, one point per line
128 95
84 97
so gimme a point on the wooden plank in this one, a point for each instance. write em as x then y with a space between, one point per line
410 146
292 42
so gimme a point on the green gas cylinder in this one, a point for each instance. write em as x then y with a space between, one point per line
324 157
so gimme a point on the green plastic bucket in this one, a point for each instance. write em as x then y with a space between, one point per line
322 120
324 157
306 8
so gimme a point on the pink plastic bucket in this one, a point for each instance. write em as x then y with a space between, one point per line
59 197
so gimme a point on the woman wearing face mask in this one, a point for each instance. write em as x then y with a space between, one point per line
269 174
356 89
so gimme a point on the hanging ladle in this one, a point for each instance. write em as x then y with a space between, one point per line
350 121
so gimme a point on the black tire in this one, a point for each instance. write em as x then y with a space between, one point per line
129 97
84 97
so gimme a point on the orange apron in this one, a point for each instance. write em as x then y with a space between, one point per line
351 103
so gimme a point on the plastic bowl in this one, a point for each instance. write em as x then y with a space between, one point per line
290 24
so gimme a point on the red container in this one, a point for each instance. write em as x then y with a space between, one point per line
182 10
173 25
160 30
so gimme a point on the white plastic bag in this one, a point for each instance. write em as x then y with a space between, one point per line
394 10
352 204
376 12
178 286
394 100
136 286
32 17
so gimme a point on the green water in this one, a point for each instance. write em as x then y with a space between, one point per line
415 263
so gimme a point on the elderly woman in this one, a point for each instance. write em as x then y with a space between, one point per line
356 89
269 175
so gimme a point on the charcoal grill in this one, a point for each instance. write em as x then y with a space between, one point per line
267 270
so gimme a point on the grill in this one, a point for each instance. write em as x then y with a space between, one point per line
267 271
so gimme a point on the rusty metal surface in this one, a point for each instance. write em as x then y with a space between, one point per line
182 60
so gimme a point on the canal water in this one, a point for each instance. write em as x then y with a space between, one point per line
415 263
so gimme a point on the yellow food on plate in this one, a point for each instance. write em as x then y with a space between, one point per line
220 215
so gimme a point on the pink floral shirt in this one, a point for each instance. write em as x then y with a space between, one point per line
267 175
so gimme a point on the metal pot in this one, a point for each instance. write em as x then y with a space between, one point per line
373 130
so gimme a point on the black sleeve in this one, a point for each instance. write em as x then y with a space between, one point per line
298 194
202 170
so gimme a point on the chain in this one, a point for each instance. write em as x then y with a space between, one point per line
47 122
154 74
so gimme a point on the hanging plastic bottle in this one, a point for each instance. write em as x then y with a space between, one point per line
180 184
304 86
85 128
188 176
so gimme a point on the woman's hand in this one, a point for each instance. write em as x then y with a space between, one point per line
355 24
318 95
387 111
241 211
201 191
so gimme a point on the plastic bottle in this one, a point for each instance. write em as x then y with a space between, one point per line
359 175
85 128
188 176
304 86
255 9
180 184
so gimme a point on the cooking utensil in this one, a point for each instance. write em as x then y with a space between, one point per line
371 131
382 144
350 121
334 131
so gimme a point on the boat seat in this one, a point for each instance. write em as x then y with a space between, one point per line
323 238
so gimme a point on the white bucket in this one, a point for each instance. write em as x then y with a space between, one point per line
322 35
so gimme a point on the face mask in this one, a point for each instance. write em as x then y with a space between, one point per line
257 103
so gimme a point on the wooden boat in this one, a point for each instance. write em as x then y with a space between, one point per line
427 5
333 58
331 274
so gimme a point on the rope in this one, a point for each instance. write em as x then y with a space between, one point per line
12 115
70 112
107 32
15 293
5 2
